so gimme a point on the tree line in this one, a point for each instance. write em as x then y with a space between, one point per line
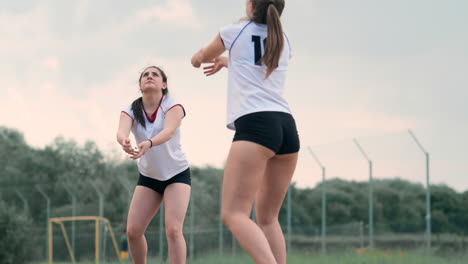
65 168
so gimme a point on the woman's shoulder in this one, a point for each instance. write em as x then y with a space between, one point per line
242 22
237 24
127 108
169 101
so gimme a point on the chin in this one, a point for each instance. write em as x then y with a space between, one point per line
151 89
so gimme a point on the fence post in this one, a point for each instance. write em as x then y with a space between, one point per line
46 197
73 197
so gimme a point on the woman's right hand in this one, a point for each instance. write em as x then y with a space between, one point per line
216 65
127 147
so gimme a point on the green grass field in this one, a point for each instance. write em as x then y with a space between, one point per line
350 258
369 257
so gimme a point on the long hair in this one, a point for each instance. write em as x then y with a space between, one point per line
269 12
137 105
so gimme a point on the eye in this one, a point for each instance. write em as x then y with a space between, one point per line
145 74
155 74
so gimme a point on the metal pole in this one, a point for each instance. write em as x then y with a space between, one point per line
161 232
101 204
233 245
192 228
361 234
324 211
428 206
324 202
428 194
73 199
371 194
125 185
289 213
104 245
128 189
23 199
220 224
371 205
47 215
101 199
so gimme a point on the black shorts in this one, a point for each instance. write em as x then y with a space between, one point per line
274 130
160 186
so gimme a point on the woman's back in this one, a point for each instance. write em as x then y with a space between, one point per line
248 88
265 146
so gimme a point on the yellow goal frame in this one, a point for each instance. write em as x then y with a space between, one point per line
97 219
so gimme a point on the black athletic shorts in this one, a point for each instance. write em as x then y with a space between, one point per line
274 130
160 186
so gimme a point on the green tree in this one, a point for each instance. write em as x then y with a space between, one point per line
18 237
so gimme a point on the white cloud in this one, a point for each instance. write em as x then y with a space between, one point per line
25 34
51 84
40 118
94 115
330 125
174 12
81 11
374 121
51 62
39 107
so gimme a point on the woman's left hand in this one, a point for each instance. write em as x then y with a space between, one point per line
142 148
216 65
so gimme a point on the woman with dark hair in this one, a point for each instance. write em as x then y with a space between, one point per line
264 151
164 175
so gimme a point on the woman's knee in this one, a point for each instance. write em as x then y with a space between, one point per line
231 218
227 217
173 231
267 220
134 231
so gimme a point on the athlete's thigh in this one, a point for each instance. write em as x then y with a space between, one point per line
176 201
145 203
275 183
244 170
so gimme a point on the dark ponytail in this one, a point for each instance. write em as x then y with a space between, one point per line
137 105
269 12
137 108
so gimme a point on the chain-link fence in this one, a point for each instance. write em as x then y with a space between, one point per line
206 235
374 207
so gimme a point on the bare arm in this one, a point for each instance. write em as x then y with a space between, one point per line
123 133
173 120
209 53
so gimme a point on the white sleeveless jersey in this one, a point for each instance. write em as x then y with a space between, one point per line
164 161
248 90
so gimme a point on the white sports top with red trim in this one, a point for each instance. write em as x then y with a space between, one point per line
164 161
248 90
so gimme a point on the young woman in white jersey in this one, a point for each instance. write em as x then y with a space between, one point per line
264 152
154 119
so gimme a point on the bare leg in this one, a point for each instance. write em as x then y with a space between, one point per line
176 200
270 197
243 175
145 203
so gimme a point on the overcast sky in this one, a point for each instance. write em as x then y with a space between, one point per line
364 69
